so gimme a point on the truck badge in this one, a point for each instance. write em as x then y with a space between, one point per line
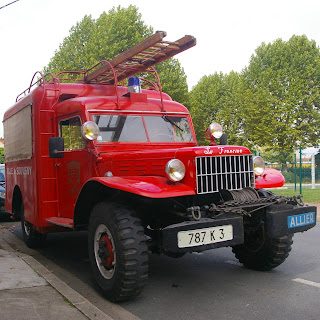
73 171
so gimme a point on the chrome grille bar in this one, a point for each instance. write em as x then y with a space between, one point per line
224 172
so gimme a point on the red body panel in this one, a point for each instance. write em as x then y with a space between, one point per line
151 187
271 178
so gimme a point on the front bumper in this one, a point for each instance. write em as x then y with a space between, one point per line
170 233
282 220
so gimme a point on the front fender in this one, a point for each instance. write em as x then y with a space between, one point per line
271 178
147 186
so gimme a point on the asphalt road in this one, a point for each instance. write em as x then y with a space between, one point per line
211 285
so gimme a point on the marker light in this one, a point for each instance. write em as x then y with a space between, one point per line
134 84
90 130
258 165
175 170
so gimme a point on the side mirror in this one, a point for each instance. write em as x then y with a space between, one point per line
56 147
224 139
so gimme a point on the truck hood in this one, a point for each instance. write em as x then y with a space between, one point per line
165 152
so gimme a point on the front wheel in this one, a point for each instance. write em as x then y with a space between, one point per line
118 251
261 252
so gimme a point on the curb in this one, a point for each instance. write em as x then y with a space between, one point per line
77 300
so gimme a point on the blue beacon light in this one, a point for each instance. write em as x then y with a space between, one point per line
134 84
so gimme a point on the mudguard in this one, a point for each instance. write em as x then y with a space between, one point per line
271 178
147 186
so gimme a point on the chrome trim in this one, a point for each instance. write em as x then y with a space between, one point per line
224 172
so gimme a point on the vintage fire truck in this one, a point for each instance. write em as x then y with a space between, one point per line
93 150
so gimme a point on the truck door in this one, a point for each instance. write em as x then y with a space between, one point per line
74 168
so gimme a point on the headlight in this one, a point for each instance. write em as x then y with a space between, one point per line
175 170
2 195
258 165
90 130
215 130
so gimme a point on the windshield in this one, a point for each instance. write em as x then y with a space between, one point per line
132 128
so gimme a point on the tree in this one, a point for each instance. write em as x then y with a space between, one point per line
205 101
1 155
282 95
91 41
174 80
218 98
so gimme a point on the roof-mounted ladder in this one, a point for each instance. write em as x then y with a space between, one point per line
139 58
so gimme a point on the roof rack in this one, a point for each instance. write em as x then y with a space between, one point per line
138 58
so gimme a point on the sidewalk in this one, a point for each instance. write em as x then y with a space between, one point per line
29 291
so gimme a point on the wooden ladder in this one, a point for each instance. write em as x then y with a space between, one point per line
138 58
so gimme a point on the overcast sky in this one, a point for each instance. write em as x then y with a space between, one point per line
227 32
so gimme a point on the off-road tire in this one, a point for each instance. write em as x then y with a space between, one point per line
269 253
122 272
31 237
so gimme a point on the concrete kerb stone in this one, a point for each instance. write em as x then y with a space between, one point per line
82 304
87 308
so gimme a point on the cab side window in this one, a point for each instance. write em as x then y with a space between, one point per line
70 130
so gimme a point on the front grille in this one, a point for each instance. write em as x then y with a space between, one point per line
224 172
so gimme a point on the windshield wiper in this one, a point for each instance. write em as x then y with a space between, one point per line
166 118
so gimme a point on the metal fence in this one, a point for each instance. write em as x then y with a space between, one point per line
307 170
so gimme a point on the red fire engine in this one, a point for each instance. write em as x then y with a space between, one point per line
84 152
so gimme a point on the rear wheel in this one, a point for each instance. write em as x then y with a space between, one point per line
261 252
118 251
32 238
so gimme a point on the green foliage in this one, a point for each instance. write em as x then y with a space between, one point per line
272 105
205 101
1 155
290 177
91 41
218 98
282 82
281 156
174 80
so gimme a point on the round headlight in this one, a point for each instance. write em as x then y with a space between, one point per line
90 130
175 170
215 130
258 165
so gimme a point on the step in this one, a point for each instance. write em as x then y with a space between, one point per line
63 222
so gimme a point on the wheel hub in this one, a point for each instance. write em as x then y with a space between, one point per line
104 251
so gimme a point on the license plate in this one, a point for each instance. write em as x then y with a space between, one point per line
199 237
301 220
